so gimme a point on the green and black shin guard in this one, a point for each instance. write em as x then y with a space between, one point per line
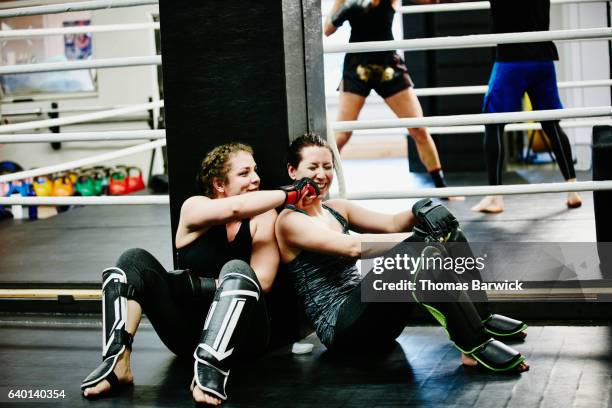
454 310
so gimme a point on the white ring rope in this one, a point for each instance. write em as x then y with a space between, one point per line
87 117
82 162
161 133
68 109
469 41
81 64
473 119
514 127
476 5
39 32
84 136
510 189
96 200
78 6
481 89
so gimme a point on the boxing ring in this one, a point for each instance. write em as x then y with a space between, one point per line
61 276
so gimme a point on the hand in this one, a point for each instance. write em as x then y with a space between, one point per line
299 189
350 8
433 220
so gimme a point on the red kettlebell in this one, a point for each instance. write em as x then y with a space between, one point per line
134 179
118 182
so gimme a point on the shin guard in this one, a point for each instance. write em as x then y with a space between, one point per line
495 324
115 294
456 313
224 328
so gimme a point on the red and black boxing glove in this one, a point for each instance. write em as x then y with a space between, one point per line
298 189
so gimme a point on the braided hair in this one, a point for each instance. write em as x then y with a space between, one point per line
216 165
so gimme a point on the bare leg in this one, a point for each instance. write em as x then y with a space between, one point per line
122 370
350 105
405 104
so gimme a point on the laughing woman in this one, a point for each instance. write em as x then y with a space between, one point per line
213 309
321 256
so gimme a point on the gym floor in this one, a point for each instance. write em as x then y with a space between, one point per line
570 362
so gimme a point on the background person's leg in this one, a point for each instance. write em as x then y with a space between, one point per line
544 95
507 85
349 106
405 104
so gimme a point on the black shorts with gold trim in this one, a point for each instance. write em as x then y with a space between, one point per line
387 78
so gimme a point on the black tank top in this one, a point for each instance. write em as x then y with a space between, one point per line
323 282
207 254
375 25
512 16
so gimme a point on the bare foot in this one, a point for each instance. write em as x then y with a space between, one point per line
522 367
122 371
200 397
470 362
573 200
490 205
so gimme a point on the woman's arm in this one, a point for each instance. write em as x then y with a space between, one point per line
364 220
328 27
264 256
299 232
200 212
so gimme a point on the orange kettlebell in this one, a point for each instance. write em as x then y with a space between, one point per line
63 186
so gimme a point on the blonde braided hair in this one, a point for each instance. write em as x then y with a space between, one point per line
216 165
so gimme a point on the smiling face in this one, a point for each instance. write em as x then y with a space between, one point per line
241 176
316 162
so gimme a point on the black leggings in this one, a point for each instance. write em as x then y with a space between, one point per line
494 147
176 314
368 325
377 324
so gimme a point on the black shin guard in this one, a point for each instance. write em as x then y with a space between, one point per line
495 324
115 294
456 313
224 327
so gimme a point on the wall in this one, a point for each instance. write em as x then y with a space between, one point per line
117 86
582 60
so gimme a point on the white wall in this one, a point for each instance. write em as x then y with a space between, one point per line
117 86
582 60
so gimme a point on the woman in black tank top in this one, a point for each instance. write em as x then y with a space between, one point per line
213 309
321 256
383 71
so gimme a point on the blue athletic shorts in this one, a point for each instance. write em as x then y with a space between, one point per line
510 80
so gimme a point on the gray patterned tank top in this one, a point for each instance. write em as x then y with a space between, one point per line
323 282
